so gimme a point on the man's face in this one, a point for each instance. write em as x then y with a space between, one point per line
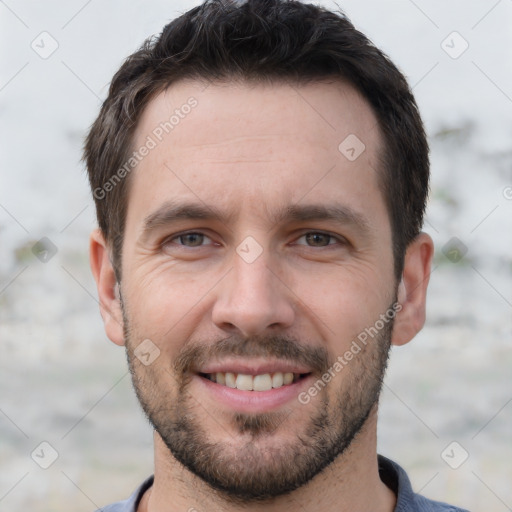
254 246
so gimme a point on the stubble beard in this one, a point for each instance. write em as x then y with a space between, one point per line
261 466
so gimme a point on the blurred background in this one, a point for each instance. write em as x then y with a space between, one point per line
446 409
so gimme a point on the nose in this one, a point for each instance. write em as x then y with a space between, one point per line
253 299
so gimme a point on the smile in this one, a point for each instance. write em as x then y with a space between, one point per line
252 385
247 382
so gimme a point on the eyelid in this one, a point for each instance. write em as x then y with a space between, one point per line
341 240
174 236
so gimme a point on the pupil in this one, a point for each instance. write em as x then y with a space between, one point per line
317 238
194 239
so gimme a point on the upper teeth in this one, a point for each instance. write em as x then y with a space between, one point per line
263 382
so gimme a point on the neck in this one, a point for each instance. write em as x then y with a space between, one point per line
350 483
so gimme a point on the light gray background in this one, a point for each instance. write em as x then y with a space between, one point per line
62 382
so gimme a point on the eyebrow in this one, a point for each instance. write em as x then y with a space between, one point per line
339 214
172 211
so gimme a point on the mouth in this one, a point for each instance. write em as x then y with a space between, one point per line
258 382
252 385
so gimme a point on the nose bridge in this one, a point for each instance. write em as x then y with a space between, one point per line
252 297
254 281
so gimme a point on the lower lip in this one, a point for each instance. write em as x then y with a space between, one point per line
253 401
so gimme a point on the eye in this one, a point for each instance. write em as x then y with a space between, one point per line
319 239
191 239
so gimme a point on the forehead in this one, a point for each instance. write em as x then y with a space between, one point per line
237 144
314 111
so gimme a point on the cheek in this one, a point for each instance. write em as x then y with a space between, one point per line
164 304
343 301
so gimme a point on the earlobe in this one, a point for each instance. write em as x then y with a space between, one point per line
412 289
108 288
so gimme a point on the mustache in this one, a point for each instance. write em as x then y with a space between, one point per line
194 356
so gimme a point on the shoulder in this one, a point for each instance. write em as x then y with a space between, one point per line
395 477
130 504
423 504
120 506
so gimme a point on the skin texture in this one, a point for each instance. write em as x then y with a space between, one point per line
250 152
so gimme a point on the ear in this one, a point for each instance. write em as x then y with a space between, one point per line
108 288
412 290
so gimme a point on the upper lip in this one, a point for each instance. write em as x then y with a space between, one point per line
254 367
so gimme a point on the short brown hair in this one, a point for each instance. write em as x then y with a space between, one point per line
261 40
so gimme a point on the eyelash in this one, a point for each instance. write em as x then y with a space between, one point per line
340 240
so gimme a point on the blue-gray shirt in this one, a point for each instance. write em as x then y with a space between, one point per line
390 473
